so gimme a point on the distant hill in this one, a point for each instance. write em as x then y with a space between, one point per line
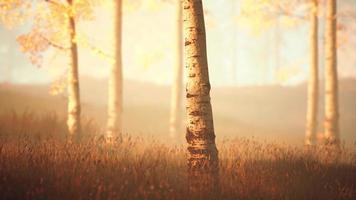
266 112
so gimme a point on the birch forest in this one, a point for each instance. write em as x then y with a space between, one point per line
178 99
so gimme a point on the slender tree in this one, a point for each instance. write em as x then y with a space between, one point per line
54 26
114 124
331 78
313 82
74 108
203 154
177 85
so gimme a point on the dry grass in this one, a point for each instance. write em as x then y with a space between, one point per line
36 162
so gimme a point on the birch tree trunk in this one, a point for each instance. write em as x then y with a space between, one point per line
115 100
177 86
331 80
200 136
313 82
74 109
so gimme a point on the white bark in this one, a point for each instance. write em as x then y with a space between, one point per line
74 109
331 77
177 85
203 154
313 82
115 100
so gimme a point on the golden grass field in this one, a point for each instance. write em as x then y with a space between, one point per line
38 162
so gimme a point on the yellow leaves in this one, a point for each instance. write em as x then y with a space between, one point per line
50 24
51 21
82 9
260 15
255 15
33 44
58 86
83 41
13 12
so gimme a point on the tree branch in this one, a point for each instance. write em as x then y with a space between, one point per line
52 43
53 2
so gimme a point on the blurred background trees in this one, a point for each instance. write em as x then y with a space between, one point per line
250 43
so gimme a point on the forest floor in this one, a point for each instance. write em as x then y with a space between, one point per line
259 132
38 162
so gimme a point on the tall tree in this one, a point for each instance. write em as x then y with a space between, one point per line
331 78
313 82
54 25
177 85
74 108
114 124
203 154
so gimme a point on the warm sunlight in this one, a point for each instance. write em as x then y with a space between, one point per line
177 99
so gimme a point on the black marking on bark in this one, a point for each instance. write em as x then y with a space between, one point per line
196 113
186 43
208 162
193 150
203 135
189 136
207 86
199 31
192 75
191 95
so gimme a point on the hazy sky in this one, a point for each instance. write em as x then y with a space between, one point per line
149 49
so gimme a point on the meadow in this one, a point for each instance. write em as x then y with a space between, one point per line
261 155
37 161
